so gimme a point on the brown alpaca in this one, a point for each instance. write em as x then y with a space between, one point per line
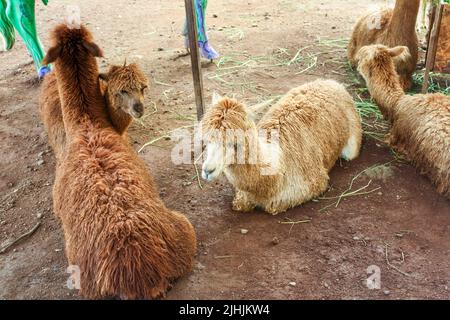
123 87
315 123
124 90
117 230
420 123
392 28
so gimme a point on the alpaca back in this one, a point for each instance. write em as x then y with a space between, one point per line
421 130
315 122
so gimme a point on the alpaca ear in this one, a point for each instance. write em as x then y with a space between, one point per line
52 54
93 49
216 98
400 54
397 51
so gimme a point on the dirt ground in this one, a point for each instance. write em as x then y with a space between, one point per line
400 224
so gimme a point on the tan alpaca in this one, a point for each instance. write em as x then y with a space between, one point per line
420 123
117 230
392 28
123 88
315 124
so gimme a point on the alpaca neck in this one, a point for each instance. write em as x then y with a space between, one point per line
385 89
81 98
119 119
258 170
404 17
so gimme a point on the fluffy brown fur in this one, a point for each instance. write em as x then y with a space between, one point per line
117 230
123 88
317 122
420 123
397 28
124 92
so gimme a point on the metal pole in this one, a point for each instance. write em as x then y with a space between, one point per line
195 58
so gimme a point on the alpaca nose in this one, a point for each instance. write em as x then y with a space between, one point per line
138 108
206 174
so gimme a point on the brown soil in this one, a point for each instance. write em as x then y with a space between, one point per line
327 257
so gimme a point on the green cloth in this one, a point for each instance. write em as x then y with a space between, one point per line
6 28
19 15
200 13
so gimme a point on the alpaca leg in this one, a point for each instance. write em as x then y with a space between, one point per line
393 140
302 193
242 202
7 36
276 206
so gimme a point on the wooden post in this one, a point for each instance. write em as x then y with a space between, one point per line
195 58
432 47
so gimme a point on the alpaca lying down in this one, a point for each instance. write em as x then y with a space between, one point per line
314 125
117 230
123 88
420 123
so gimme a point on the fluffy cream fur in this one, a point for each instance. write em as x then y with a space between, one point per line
316 122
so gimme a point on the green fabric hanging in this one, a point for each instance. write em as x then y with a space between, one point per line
19 15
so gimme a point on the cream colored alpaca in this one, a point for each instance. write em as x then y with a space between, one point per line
315 124
392 28
420 123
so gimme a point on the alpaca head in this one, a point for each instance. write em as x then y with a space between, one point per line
126 87
374 58
229 134
72 44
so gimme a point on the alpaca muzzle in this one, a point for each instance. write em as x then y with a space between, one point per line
137 110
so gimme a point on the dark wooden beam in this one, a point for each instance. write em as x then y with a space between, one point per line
195 58
432 47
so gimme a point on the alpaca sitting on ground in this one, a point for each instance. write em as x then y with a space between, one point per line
392 28
119 233
123 87
420 123
315 124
